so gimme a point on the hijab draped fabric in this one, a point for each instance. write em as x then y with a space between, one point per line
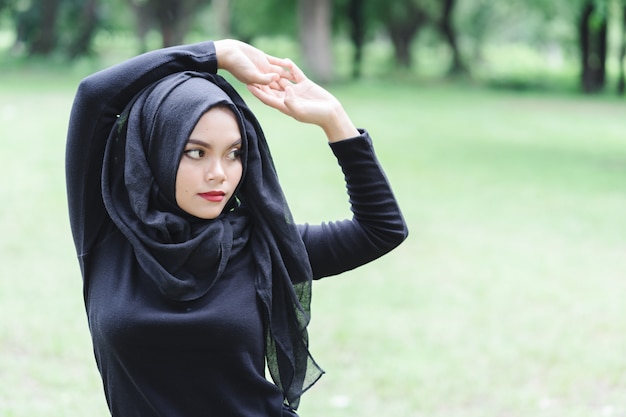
185 255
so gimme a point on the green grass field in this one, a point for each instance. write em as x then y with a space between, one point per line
506 300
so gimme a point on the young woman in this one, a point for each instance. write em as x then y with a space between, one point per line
196 277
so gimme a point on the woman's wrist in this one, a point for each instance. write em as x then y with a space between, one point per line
222 48
339 126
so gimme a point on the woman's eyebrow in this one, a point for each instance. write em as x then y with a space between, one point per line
198 142
207 145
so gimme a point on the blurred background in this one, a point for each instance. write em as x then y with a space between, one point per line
502 128
515 43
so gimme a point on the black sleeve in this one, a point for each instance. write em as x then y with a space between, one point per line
100 98
377 225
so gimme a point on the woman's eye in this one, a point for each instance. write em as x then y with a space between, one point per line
194 153
234 154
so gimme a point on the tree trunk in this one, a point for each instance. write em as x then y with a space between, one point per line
401 40
621 84
315 38
222 14
593 48
174 18
357 35
144 19
167 15
45 39
447 28
81 45
402 30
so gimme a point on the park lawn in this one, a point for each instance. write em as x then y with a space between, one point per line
506 300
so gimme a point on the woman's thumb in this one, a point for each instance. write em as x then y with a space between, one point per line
266 79
291 102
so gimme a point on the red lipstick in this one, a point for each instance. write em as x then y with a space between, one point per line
214 196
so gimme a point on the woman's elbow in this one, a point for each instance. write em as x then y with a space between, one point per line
391 236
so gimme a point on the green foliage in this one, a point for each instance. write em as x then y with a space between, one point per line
252 18
43 27
548 28
369 12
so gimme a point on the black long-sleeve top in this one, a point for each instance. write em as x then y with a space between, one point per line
205 357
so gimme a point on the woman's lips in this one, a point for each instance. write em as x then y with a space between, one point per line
214 196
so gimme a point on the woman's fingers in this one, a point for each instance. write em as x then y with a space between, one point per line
268 96
282 62
287 69
284 83
281 65
299 75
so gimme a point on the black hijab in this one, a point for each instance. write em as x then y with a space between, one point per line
185 255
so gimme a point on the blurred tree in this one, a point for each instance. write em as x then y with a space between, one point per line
621 82
591 19
144 20
476 22
309 20
222 15
593 29
45 26
173 18
357 20
403 19
252 18
448 30
356 17
87 18
36 26
8 14
314 19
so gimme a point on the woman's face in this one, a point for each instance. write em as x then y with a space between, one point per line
210 168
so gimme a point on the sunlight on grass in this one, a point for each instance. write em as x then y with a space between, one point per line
507 299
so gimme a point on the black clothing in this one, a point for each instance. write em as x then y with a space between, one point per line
202 355
185 255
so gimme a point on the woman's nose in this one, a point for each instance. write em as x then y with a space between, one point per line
215 172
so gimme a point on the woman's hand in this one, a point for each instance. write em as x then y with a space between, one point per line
249 64
305 101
